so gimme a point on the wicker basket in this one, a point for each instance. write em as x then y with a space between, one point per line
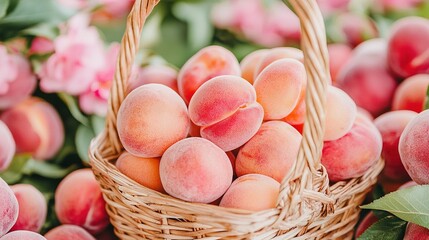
307 207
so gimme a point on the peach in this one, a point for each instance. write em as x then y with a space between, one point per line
364 113
368 73
7 147
22 84
413 148
356 28
36 127
353 154
366 222
152 118
22 235
407 185
195 170
254 192
145 171
194 130
414 232
8 208
340 114
278 87
271 152
411 93
32 208
207 63
339 54
407 58
85 209
278 53
161 74
68 232
391 125
250 64
226 110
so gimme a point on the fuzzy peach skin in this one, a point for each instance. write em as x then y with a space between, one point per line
23 235
391 125
411 93
152 118
278 87
207 63
414 148
367 79
161 74
278 53
353 154
68 232
145 171
339 54
366 222
78 201
195 170
416 232
271 152
250 64
7 147
340 114
9 208
407 58
32 208
36 127
254 192
226 109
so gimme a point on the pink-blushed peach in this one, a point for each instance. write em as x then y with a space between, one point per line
408 51
68 232
353 154
416 232
340 114
9 208
7 147
278 53
145 171
413 148
271 152
278 87
391 125
339 54
152 118
366 222
250 63
87 208
254 192
32 208
36 127
226 110
411 93
207 63
161 74
195 170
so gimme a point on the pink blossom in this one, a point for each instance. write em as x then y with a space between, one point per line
94 100
269 25
41 45
395 5
115 8
17 80
330 6
77 59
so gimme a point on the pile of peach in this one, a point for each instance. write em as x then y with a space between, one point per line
389 78
23 210
224 132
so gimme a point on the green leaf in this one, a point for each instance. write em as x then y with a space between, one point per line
46 169
410 204
14 172
98 124
74 108
426 106
46 30
4 4
388 228
84 135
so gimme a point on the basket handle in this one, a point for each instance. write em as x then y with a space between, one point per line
129 47
307 168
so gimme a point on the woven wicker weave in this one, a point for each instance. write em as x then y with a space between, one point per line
307 207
